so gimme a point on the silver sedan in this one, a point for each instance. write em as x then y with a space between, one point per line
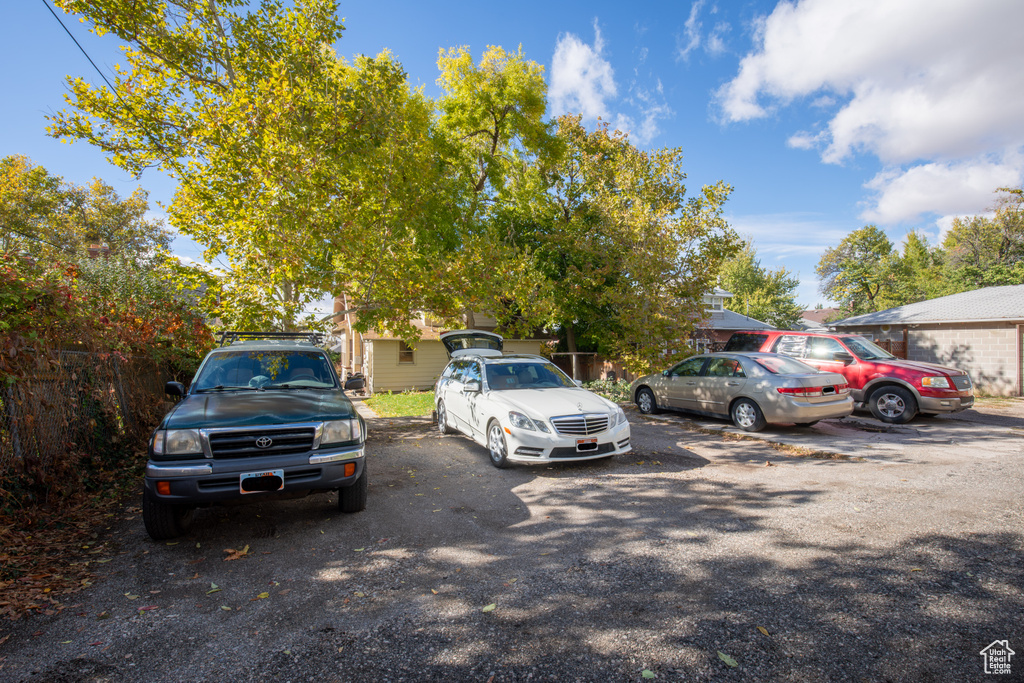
754 389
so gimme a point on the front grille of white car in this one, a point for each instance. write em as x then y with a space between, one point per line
580 425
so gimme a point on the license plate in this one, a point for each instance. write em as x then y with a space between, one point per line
261 482
583 445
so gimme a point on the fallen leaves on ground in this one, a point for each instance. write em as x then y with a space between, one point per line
489 608
729 661
236 554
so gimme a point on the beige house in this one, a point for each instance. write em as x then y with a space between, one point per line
981 332
389 364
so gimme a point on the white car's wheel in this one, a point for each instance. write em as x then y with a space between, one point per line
496 445
442 419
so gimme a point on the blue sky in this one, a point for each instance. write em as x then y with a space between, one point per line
824 115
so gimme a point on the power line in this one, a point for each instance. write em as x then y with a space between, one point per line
72 36
128 107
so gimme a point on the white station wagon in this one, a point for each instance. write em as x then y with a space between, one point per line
522 407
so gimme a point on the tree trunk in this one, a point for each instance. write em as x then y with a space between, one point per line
570 344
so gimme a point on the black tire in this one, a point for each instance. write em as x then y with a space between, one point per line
893 404
747 415
163 521
353 498
497 447
806 424
646 403
442 419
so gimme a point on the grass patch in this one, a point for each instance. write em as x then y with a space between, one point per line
405 404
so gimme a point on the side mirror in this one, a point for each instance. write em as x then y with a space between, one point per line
843 357
472 386
578 382
664 373
174 389
354 383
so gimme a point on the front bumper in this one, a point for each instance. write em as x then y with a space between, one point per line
198 482
952 404
532 447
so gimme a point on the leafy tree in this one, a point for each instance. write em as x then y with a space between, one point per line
985 251
862 273
761 293
625 256
42 215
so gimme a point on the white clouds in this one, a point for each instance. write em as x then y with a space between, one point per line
581 79
934 90
947 189
690 40
692 37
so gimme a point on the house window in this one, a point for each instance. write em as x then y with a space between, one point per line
404 353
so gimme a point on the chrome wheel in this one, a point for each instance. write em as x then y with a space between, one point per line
442 419
891 406
645 402
895 405
748 416
745 415
496 445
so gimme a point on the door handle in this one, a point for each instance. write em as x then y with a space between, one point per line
691 383
732 384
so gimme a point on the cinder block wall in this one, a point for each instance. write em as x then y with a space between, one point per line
988 351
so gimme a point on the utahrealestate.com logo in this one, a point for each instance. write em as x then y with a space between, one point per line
997 657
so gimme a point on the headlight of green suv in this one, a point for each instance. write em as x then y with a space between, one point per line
338 431
177 442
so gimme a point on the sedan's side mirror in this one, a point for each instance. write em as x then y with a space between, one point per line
174 389
664 373
472 386
842 357
578 382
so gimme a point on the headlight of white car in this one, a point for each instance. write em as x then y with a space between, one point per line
517 419
618 417
177 442
337 431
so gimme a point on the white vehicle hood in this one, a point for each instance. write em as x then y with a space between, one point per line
553 401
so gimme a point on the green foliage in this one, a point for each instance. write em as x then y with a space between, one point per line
617 390
863 273
94 305
626 256
763 294
311 175
43 216
866 274
404 404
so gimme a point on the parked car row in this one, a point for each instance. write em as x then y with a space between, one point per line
266 415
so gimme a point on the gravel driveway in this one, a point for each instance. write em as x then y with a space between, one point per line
692 559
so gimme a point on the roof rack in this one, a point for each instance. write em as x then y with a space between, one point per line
232 336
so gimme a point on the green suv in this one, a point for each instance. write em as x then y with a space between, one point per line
265 417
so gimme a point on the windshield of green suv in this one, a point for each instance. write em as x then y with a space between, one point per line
251 369
866 350
528 375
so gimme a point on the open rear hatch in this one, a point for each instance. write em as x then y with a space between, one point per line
462 342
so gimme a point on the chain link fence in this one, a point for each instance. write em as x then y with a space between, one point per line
82 401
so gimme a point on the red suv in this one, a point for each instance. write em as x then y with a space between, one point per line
894 390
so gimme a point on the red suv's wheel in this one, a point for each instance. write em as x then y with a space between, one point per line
894 405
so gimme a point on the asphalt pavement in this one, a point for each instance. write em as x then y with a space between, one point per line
849 551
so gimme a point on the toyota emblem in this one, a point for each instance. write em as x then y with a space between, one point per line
264 442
